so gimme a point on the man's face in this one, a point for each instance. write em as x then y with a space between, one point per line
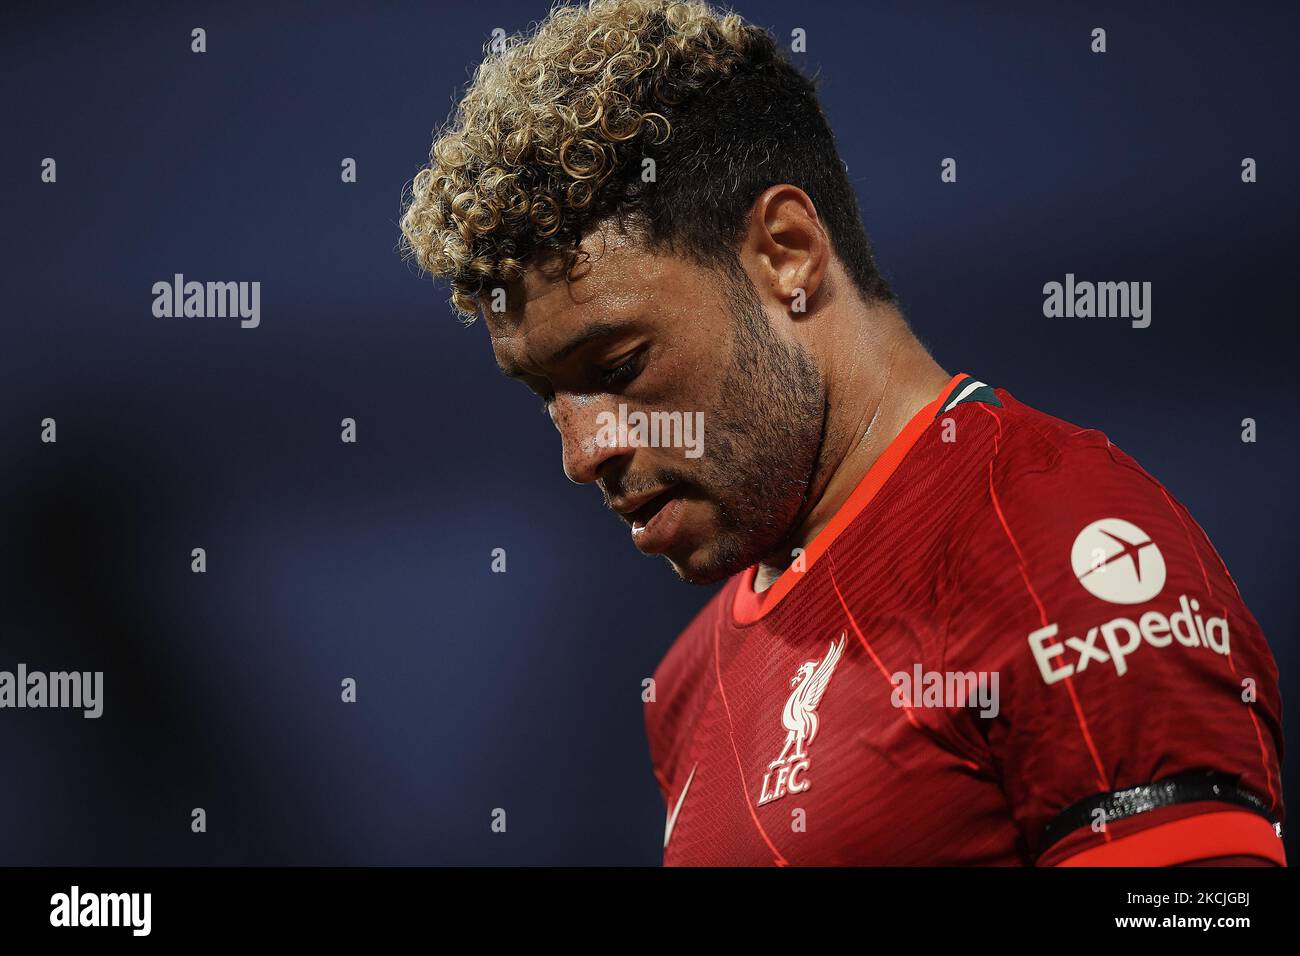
656 333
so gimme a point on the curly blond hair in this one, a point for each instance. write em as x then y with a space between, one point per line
556 128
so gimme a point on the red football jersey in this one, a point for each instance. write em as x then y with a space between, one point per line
1010 646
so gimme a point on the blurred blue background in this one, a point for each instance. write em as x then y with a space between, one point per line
522 690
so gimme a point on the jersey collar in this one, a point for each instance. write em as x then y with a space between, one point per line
748 605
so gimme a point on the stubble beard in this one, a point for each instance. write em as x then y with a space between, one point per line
763 445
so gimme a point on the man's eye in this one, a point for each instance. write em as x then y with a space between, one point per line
620 374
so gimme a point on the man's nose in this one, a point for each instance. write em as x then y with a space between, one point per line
589 435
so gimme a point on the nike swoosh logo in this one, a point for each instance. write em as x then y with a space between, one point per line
672 817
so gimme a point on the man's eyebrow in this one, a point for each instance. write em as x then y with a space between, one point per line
598 331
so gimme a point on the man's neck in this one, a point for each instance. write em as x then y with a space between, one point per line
873 390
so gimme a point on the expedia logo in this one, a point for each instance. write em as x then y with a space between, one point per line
1122 637
1118 562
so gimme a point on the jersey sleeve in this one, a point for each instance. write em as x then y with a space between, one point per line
1139 715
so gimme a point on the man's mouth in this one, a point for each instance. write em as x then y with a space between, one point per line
643 515
655 523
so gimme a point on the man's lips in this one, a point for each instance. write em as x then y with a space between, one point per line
655 519
641 507
640 517
655 525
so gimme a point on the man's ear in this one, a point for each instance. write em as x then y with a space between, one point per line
786 247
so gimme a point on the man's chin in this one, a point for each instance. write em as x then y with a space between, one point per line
711 565
706 575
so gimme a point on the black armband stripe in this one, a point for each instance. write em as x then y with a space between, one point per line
1193 787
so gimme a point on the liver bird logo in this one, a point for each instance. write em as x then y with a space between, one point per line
800 713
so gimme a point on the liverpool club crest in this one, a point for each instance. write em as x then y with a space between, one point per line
788 773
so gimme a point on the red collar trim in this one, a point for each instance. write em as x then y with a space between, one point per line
748 605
